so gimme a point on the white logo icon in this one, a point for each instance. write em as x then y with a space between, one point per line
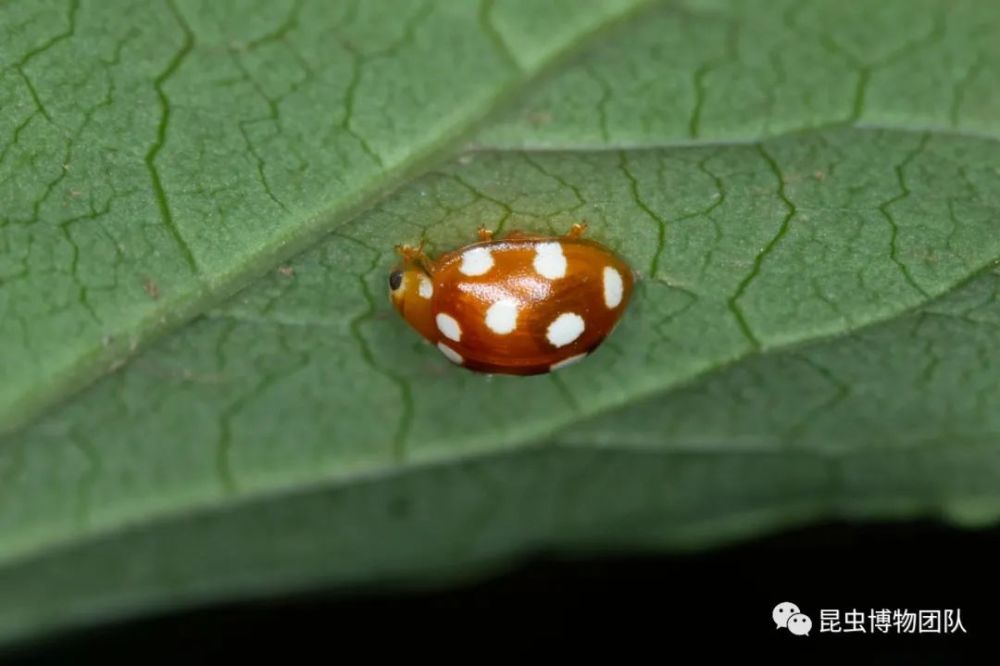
800 624
787 615
782 612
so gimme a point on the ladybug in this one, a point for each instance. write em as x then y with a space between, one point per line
521 305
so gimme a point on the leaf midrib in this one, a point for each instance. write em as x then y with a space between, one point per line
686 142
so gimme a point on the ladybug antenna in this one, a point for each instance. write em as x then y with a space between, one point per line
577 230
415 255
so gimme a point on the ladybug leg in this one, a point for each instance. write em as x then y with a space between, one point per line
416 255
485 234
576 230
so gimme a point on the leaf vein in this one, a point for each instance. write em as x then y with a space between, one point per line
904 192
734 301
661 223
159 192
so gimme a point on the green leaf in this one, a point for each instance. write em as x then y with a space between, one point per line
155 156
801 270
896 421
739 70
847 397
307 397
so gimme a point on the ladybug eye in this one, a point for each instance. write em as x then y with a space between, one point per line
395 280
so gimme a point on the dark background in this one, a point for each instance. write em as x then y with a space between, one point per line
654 606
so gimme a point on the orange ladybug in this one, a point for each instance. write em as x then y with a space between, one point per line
521 305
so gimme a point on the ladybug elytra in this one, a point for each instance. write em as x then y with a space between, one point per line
521 305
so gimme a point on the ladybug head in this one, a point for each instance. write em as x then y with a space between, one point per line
395 280
410 289
398 284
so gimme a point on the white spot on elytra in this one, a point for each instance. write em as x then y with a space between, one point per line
476 261
550 261
566 328
450 353
426 289
502 316
613 287
449 326
566 361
